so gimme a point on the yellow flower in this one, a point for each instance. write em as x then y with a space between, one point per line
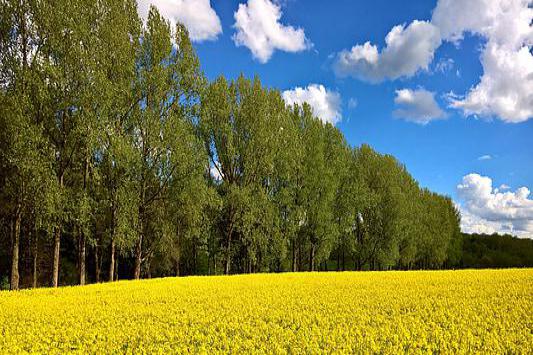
484 311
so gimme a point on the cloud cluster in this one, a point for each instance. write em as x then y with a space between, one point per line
505 89
487 208
198 16
506 22
408 49
506 86
259 29
326 104
418 106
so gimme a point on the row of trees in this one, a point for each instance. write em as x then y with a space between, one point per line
114 145
496 251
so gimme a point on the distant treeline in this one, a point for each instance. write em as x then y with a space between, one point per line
478 251
496 251
119 159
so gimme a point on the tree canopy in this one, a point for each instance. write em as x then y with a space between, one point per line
115 147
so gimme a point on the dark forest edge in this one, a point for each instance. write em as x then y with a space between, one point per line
479 251
119 159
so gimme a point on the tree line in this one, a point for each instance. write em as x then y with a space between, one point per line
496 251
118 158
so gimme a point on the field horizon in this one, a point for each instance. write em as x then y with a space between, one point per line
304 272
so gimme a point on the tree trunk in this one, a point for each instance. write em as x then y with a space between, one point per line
299 258
35 254
177 266
57 245
82 249
149 268
138 258
195 259
82 252
112 261
228 253
138 247
96 264
343 260
312 258
14 285
57 241
293 256
116 268
112 253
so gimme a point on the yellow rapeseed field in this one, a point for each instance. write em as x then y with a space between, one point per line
489 311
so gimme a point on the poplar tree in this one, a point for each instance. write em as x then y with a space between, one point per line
169 83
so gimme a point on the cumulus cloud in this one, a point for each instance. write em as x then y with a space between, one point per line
505 212
485 157
474 224
198 16
505 89
326 104
417 106
471 223
408 50
259 29
501 21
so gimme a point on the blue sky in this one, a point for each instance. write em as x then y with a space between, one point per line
444 146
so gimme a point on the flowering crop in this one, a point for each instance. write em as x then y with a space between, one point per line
486 311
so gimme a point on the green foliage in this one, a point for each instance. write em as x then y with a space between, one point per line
4 283
111 136
496 251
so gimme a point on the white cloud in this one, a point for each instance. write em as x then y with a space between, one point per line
352 103
505 89
215 172
198 16
473 224
417 106
501 21
444 65
326 104
485 157
408 50
485 207
258 29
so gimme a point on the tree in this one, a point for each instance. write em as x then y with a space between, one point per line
115 51
112 139
24 154
169 82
